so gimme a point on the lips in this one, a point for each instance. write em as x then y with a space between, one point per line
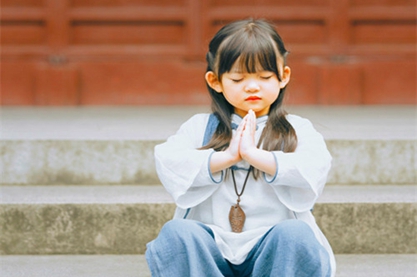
253 98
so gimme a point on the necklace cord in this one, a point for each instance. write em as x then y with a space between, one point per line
244 184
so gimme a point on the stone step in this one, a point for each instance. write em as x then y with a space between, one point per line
39 220
50 146
53 162
135 266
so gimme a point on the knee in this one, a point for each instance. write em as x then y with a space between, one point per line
294 232
169 243
292 227
174 227
180 228
177 234
296 238
171 234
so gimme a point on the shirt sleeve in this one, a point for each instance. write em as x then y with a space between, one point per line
302 174
183 169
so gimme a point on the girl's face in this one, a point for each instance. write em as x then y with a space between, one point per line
245 91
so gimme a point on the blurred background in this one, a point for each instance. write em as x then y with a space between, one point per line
89 87
151 52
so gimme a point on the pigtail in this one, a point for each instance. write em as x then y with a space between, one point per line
278 134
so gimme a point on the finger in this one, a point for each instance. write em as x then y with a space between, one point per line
252 122
241 127
253 115
248 131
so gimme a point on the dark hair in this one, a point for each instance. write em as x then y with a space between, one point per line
256 46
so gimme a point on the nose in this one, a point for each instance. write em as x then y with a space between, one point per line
252 86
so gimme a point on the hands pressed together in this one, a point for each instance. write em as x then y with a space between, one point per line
243 140
242 147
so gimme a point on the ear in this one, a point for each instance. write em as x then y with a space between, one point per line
213 81
286 74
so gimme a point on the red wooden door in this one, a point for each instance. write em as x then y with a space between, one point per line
147 52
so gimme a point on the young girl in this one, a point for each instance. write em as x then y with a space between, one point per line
245 178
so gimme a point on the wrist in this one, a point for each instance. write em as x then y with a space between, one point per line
222 160
231 159
263 160
248 154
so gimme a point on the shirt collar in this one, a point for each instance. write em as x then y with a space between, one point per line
260 121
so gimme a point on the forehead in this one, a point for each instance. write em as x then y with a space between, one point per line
242 65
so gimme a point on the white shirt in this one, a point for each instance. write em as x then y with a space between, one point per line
291 193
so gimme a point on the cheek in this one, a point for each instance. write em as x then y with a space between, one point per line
276 88
274 93
231 91
233 98
230 97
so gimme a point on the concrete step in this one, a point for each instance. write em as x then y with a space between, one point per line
49 146
377 219
53 162
135 266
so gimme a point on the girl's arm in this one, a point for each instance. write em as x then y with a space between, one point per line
302 174
184 169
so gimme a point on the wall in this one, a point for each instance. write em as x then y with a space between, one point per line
146 52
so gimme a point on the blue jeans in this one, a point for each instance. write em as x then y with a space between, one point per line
187 248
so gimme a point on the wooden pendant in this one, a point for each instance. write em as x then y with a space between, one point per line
237 218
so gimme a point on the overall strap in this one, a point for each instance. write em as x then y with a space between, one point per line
210 128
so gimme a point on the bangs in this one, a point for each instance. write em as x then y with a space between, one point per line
248 53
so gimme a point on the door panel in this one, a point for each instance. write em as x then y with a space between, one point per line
149 52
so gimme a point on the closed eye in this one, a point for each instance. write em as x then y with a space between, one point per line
237 80
266 77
